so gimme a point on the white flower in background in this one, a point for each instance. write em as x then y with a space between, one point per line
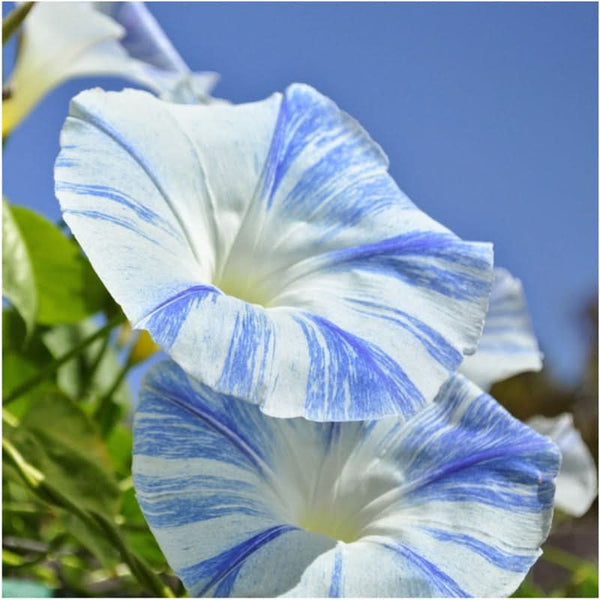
577 482
265 248
508 346
61 40
454 502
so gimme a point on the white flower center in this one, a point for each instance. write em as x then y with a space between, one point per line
343 495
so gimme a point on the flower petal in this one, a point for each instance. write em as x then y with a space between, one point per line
266 248
454 502
577 482
160 66
508 345
62 40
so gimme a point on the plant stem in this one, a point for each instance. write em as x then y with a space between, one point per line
51 368
102 412
94 367
12 21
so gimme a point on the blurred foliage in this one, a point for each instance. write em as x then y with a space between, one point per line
71 521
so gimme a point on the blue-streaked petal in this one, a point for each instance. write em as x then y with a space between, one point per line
577 481
266 248
508 345
454 502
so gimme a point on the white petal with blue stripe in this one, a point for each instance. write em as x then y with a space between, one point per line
268 251
508 345
454 502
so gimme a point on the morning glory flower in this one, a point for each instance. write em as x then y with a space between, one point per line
577 481
508 344
62 40
454 502
265 248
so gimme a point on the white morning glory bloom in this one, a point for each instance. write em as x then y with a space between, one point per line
265 247
454 502
62 40
508 345
577 481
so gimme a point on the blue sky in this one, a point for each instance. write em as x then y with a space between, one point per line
487 111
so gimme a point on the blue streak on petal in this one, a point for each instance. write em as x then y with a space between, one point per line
182 407
391 257
354 376
218 567
518 563
250 351
336 588
167 318
109 193
443 583
435 344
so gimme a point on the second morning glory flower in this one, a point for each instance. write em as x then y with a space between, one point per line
265 247
455 502
62 40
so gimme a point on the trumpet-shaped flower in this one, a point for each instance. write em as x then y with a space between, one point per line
265 247
62 40
454 502
577 481
508 345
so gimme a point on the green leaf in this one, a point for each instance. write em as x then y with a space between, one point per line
57 438
92 539
17 272
52 414
66 288
21 359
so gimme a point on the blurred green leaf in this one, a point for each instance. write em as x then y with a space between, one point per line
21 358
17 271
86 375
57 438
584 582
65 286
120 448
53 414
92 539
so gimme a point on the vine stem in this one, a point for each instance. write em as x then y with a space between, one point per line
52 367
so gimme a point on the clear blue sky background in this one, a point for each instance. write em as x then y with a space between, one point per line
488 113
